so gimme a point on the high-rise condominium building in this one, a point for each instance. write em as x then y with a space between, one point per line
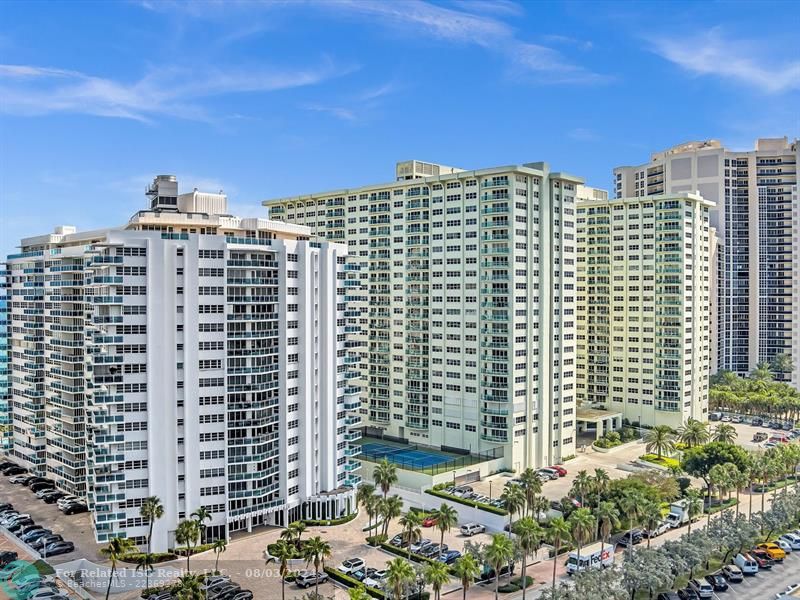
5 389
471 289
644 335
756 218
190 355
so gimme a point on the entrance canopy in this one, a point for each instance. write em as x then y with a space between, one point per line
603 420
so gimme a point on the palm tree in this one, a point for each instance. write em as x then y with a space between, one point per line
539 507
651 517
694 505
316 550
145 564
385 475
116 549
466 568
189 588
582 485
500 552
559 533
219 547
283 552
364 497
583 525
151 510
529 538
446 518
293 532
390 508
531 486
660 440
514 498
436 574
608 518
411 523
201 515
372 506
762 372
693 433
358 593
399 574
725 433
187 533
631 505
601 482
781 364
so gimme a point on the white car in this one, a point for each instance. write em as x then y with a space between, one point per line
66 500
791 539
377 579
551 473
785 546
470 529
14 518
351 564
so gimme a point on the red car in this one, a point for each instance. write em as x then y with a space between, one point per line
429 521
561 470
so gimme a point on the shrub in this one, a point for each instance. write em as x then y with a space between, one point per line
350 582
664 461
158 557
377 540
481 505
507 588
181 551
518 581
566 458
613 437
628 434
330 522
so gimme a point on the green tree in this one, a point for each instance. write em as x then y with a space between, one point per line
762 372
201 515
411 523
514 499
219 547
187 533
145 565
698 461
466 568
399 574
385 476
631 504
529 539
583 526
651 517
693 433
390 508
608 518
499 552
116 549
293 533
560 532
724 433
781 364
582 485
358 593
189 587
315 551
446 518
151 511
660 440
601 483
531 486
284 552
694 506
436 574
365 498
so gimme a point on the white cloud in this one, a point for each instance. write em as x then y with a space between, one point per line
35 90
711 53
340 112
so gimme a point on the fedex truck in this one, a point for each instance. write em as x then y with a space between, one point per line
594 556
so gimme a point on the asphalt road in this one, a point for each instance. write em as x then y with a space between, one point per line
766 584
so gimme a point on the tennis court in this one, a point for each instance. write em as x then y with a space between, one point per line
404 456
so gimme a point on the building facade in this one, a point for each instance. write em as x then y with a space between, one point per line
189 355
470 325
755 215
6 432
644 335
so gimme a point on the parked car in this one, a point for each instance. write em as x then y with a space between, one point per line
762 559
37 479
662 527
306 579
34 535
559 469
726 419
668 596
746 563
38 486
14 471
736 419
398 541
784 545
429 521
243 595
74 509
551 473
66 500
17 526
419 545
733 573
702 588
59 548
434 550
449 557
774 550
43 541
362 573
376 579
7 557
470 529
10 570
634 536
46 593
52 496
351 564
6 506
688 594
210 582
19 478
792 539
757 421
42 492
717 581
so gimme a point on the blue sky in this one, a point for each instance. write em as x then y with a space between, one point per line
265 99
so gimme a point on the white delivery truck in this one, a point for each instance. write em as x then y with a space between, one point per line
678 513
594 556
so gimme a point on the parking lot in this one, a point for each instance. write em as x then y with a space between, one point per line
74 528
766 583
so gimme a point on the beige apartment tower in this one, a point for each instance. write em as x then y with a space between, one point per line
469 319
755 214
644 335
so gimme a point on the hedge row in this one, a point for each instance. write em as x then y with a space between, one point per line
352 582
330 522
480 505
158 557
515 585
195 550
